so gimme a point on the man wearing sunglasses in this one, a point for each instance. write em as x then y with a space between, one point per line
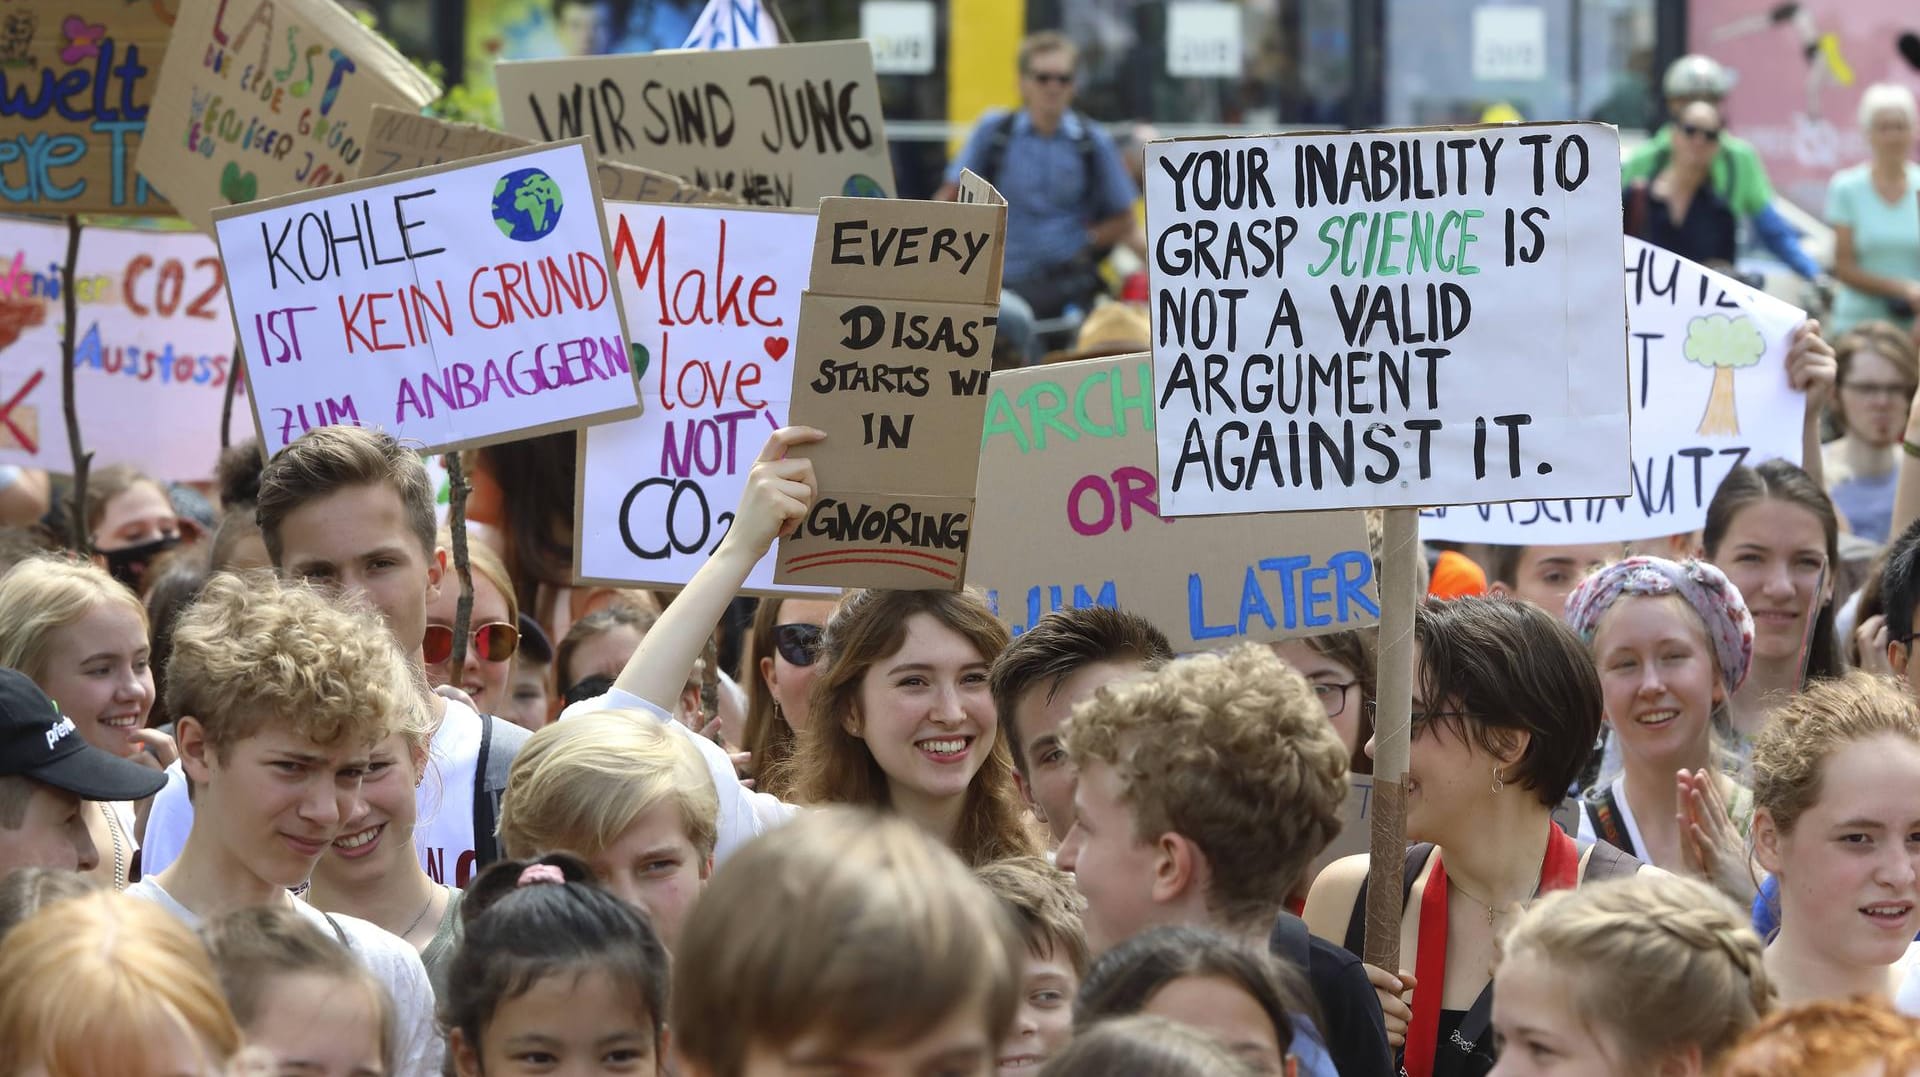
1069 199
353 510
1737 176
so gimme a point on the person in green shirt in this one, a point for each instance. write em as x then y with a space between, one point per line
1737 175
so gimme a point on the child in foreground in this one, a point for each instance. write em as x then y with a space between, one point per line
1042 899
300 996
555 975
849 941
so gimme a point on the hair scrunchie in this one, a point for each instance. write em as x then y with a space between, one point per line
535 874
1713 598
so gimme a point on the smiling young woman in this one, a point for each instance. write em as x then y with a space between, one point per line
901 718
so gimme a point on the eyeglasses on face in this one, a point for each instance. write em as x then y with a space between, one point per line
1332 696
1052 78
1420 718
495 641
799 644
1711 134
1883 390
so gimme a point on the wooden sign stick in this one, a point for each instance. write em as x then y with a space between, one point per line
1392 734
78 538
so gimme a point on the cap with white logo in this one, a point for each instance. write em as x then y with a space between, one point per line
38 742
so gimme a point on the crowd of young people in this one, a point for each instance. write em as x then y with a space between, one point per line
1657 824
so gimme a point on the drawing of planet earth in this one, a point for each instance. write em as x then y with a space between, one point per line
526 204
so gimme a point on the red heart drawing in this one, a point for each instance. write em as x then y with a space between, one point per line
776 348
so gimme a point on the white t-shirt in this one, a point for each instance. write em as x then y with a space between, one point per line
417 1049
744 813
1907 998
443 833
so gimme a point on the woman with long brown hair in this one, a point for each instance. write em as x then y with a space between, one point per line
901 718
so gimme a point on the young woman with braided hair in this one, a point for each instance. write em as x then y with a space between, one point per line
1656 974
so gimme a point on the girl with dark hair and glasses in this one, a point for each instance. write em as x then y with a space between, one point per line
780 662
1506 705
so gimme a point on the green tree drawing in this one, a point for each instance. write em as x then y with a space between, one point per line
1725 343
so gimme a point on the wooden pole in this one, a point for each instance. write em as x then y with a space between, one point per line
78 538
1392 735
457 523
226 405
779 21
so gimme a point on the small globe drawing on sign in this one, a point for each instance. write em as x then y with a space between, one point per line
861 185
526 204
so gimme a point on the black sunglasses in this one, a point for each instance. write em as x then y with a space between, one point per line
1053 78
1711 134
799 644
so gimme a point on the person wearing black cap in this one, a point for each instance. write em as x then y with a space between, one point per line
46 770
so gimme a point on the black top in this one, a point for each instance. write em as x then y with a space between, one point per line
1350 1018
1706 234
1454 1055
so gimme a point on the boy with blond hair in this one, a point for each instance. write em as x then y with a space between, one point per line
281 694
849 941
622 791
1044 903
1205 790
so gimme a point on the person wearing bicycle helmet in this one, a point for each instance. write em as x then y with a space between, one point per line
1737 177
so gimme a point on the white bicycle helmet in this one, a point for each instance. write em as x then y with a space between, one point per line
1697 76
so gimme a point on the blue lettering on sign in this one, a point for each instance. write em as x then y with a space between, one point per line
34 164
1309 596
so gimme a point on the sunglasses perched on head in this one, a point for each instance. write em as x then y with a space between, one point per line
799 644
494 641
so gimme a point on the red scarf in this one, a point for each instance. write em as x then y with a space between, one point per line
1559 871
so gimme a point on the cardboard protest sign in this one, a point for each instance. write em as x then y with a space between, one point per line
1708 372
785 126
398 141
260 98
152 349
1066 515
895 347
1391 318
713 302
455 306
76 80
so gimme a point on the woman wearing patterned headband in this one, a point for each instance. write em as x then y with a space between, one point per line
1672 642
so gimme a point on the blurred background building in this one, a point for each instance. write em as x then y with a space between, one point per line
1191 66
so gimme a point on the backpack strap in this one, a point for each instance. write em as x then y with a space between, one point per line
1607 862
485 846
994 155
1603 811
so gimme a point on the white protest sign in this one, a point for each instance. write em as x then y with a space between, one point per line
1393 318
152 349
1707 358
456 306
713 302
733 24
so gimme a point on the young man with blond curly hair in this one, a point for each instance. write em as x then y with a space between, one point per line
1205 790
